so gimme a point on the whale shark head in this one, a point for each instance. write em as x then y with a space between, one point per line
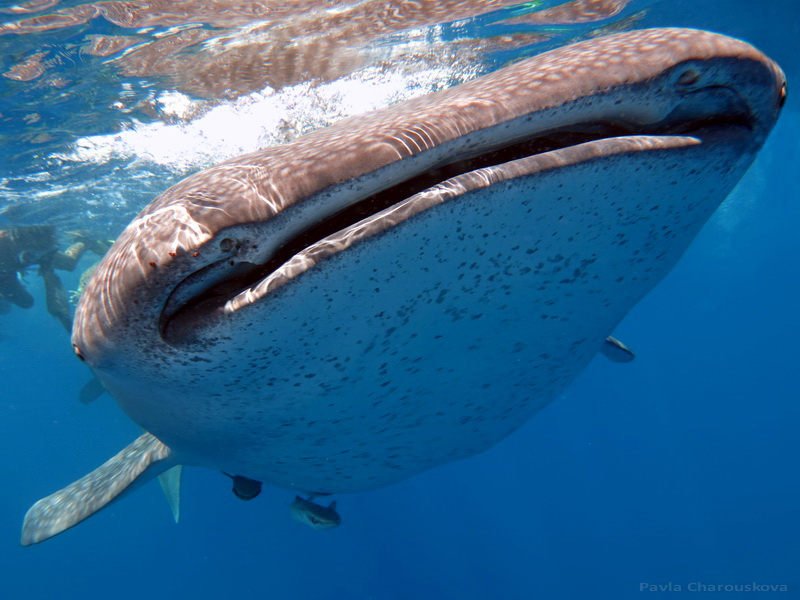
407 287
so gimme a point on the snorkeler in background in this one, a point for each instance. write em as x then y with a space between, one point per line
24 247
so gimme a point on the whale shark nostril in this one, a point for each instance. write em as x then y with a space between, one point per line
688 78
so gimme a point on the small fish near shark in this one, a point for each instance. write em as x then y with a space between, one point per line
615 350
407 288
315 515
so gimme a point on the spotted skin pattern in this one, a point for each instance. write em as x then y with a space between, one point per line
93 491
396 352
343 163
430 331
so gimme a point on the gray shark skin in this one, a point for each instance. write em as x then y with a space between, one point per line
503 229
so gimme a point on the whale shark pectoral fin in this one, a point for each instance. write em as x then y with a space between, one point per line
84 497
615 350
91 391
171 486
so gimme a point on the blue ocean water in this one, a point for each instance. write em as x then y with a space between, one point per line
641 480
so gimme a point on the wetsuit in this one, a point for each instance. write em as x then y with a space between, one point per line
24 247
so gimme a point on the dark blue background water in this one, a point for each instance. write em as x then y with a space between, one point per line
679 467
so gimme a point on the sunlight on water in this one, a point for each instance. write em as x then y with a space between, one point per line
108 102
257 120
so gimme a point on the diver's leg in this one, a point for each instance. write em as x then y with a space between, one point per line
11 290
99 247
66 261
57 302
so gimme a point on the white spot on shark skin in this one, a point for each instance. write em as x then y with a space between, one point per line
487 270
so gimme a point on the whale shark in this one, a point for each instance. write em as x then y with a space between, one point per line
409 287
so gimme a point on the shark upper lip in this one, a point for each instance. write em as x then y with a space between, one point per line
179 323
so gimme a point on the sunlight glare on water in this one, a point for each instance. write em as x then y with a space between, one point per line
167 88
254 121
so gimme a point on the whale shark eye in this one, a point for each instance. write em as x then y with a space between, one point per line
78 353
227 244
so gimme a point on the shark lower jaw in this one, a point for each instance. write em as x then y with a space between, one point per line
203 297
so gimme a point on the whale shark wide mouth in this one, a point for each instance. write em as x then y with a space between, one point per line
707 113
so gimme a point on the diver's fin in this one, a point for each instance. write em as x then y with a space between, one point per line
91 391
615 350
171 486
81 499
